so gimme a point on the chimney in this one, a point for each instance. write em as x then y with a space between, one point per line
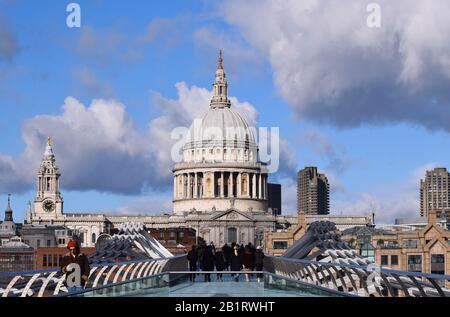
432 217
301 219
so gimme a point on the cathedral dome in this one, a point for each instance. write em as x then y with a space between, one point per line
222 133
221 127
220 168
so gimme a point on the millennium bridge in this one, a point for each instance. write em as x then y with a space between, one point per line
134 264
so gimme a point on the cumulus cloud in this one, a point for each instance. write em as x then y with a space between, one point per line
98 147
331 67
10 178
388 202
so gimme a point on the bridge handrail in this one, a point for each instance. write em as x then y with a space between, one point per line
30 281
361 279
95 264
382 269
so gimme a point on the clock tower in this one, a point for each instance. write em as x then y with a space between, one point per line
48 204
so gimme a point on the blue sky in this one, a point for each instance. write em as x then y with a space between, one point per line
363 111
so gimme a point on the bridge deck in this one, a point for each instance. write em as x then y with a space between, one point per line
179 285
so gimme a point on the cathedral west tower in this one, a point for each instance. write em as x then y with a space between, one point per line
48 203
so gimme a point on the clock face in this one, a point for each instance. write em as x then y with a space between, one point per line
48 205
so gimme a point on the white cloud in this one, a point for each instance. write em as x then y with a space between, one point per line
98 147
389 201
10 178
331 67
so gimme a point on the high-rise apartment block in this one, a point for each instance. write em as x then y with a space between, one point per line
313 192
435 191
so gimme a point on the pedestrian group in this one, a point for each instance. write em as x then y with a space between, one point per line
234 258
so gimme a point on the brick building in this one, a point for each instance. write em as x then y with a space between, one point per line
424 250
47 258
176 240
278 241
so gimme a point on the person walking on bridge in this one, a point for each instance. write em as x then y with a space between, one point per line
236 262
208 262
259 262
227 254
219 260
75 258
192 258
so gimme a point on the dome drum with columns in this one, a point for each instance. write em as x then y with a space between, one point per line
220 167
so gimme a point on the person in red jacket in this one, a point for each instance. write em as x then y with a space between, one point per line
75 256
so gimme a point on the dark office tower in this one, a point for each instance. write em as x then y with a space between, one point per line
435 192
312 192
274 193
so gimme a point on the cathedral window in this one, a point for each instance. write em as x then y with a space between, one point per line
48 183
232 235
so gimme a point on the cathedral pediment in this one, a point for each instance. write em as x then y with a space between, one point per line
232 215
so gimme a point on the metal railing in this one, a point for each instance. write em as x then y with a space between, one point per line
44 283
356 280
370 280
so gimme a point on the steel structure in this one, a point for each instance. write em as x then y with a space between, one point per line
360 280
320 260
46 283
320 257
132 253
133 242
